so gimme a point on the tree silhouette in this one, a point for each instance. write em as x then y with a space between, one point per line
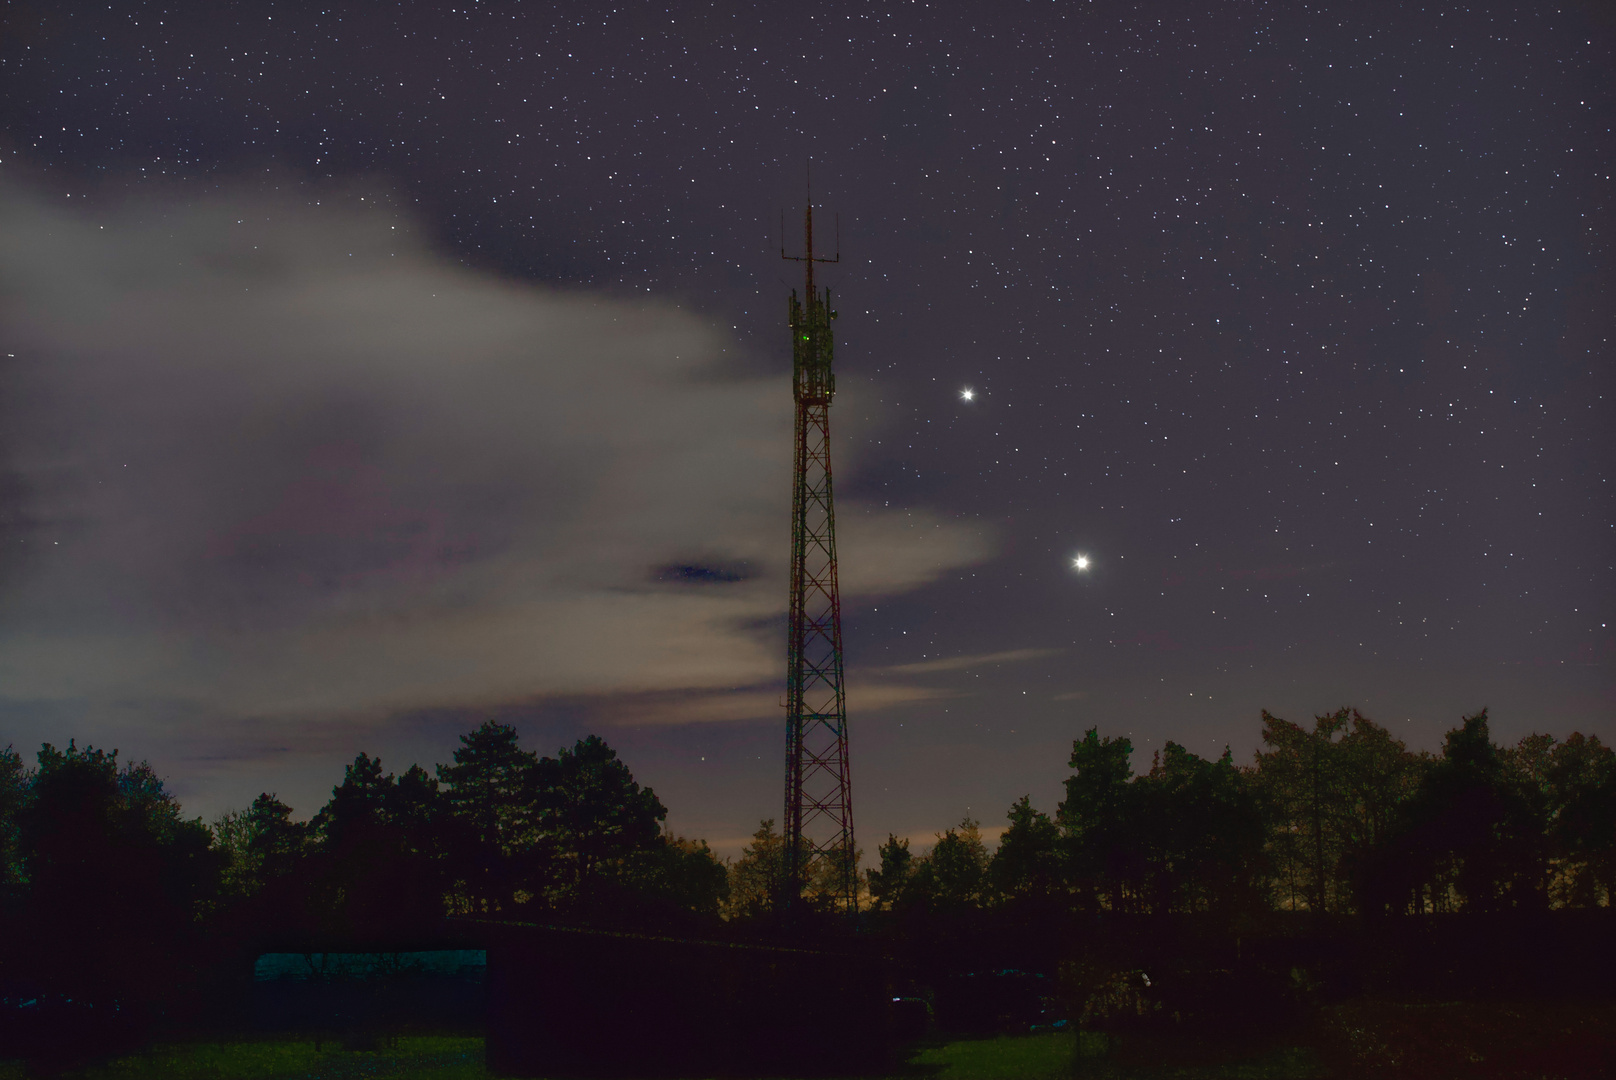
1201 835
1098 822
1378 777
1027 863
117 881
889 882
679 877
1300 775
1472 836
490 791
952 876
1581 809
358 805
594 820
14 784
378 872
755 878
416 807
1335 793
1187 836
262 845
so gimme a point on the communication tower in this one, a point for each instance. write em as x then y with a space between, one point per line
819 851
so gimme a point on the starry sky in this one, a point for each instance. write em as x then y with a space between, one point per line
371 369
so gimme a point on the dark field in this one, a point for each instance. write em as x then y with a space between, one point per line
1370 1038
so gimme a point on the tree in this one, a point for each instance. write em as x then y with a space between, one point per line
15 780
1573 787
755 878
823 881
358 806
1379 776
378 871
592 817
1334 793
1097 822
683 876
261 844
890 882
1201 833
1582 784
1472 837
952 876
416 807
1300 775
490 791
1028 860
117 881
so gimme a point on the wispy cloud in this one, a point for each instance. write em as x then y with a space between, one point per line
965 663
714 706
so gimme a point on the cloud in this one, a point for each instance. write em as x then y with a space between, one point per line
275 458
964 663
752 703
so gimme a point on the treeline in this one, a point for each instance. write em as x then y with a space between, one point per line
1341 818
501 829
500 832
112 895
117 903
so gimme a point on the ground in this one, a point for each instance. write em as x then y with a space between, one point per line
1024 1057
1543 1040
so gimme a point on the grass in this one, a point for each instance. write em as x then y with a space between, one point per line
1007 1057
1381 1039
1037 1057
428 1057
1569 1040
1392 1040
1401 1040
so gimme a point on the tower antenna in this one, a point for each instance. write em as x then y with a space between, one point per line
819 851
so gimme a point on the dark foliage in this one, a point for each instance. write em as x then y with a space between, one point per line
15 780
1187 836
377 868
600 831
1337 820
1472 836
115 885
1027 864
888 880
126 913
491 821
1334 795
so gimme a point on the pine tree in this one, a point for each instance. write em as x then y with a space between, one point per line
1027 862
755 879
490 792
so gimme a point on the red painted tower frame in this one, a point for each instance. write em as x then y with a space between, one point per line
820 857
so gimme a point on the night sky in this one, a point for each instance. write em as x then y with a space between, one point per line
371 369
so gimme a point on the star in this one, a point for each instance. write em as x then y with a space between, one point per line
1080 562
968 394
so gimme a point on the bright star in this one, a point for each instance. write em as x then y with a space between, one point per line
968 394
1080 563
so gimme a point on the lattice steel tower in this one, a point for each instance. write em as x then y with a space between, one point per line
819 852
